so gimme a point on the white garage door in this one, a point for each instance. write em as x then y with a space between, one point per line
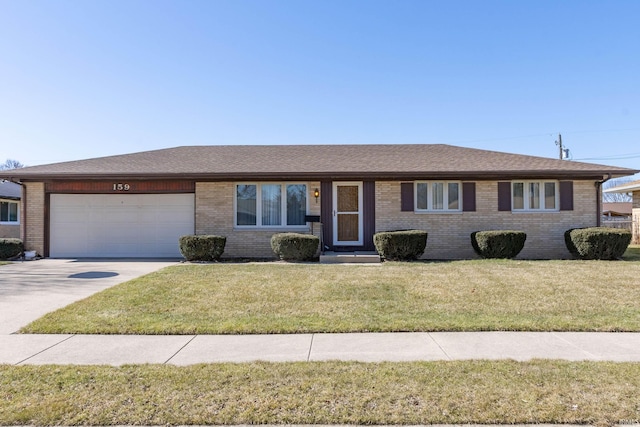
119 225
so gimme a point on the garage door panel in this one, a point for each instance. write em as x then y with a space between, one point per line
122 214
140 225
72 215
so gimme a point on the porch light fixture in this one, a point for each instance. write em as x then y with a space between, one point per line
316 194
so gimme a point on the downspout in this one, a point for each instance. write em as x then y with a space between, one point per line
599 199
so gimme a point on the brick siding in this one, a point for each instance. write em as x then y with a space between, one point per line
32 218
215 215
9 231
449 234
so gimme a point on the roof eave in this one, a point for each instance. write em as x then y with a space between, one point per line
335 175
628 189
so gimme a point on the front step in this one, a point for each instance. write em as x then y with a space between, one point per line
359 257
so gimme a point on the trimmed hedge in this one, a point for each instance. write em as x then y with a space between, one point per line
202 247
295 246
600 243
10 248
405 245
498 243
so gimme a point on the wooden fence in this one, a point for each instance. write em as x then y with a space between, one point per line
627 224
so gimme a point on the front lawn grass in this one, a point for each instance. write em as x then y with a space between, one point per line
632 253
265 298
460 392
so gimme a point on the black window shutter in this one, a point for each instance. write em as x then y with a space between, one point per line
504 196
469 196
406 196
566 195
326 213
369 214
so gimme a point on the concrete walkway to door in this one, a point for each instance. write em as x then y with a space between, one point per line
30 289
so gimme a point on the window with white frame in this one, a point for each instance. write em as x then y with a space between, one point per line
9 213
271 205
438 196
534 196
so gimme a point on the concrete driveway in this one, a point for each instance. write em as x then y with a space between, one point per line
31 289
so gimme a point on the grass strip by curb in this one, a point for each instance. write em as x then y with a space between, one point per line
465 392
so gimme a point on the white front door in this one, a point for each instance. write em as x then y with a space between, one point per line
347 214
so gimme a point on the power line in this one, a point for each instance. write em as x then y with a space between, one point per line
617 157
605 130
506 138
545 134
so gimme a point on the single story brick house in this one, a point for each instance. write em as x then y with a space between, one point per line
137 205
632 188
9 209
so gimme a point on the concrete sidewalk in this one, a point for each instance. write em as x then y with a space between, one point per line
367 347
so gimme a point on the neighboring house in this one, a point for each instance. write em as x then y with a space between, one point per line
632 188
617 215
617 211
9 209
137 205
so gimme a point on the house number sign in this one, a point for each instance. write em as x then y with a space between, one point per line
121 187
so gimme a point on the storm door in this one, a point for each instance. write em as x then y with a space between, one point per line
347 214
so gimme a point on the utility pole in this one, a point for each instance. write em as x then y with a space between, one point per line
559 144
563 152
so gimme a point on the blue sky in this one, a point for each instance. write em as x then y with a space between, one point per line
82 79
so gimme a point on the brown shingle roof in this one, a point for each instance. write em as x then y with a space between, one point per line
617 208
319 161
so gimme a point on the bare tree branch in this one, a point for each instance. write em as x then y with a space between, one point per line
11 164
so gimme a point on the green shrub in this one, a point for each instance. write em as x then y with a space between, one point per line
498 243
569 242
295 246
405 245
597 242
202 247
10 248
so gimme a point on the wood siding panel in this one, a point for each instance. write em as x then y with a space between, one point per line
566 195
406 197
369 214
468 196
504 196
326 212
107 187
